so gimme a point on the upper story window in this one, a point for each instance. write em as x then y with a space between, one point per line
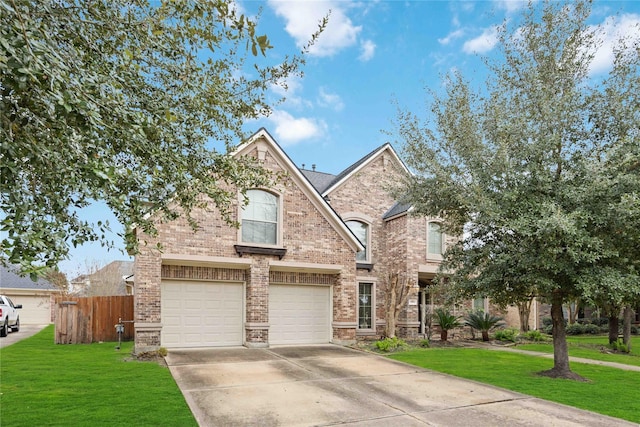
435 240
361 231
260 218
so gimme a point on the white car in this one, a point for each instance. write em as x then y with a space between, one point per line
8 316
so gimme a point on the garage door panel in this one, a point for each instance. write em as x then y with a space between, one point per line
299 314
201 314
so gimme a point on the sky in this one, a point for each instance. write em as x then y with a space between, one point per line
373 57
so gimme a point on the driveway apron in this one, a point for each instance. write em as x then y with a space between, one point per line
331 385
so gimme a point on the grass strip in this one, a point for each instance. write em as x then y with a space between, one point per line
85 385
591 347
610 391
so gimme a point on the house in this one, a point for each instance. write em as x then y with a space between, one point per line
35 297
308 264
115 278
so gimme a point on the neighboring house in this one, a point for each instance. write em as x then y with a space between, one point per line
35 297
115 278
307 265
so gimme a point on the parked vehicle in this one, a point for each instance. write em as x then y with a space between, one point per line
9 316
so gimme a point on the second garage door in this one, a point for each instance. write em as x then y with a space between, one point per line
201 314
299 314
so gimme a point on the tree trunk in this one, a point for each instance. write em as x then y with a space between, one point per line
391 307
485 335
626 330
561 367
613 327
443 335
524 311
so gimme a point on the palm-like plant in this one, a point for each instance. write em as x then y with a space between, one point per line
446 320
483 322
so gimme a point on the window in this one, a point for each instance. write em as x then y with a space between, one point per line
365 306
361 231
260 218
479 304
434 239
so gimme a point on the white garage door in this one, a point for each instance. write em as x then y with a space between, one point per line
201 314
299 314
36 310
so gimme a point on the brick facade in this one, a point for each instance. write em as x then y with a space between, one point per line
319 250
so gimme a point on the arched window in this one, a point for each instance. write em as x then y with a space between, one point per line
260 218
434 239
361 231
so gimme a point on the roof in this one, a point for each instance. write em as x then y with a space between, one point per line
10 279
397 209
320 180
348 172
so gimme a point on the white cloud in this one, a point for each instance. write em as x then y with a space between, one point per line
610 32
451 36
483 43
511 5
330 100
302 20
368 50
290 130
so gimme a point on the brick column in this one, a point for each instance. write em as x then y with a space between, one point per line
147 308
257 306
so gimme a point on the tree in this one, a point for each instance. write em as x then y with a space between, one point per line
118 101
396 290
58 279
508 168
446 321
483 322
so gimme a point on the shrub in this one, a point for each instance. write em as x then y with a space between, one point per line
634 330
600 321
425 343
446 320
591 329
533 335
162 351
575 329
619 346
390 344
483 322
509 334
547 321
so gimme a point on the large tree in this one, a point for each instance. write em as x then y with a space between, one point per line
121 101
508 167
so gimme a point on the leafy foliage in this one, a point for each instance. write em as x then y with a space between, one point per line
446 321
390 344
535 171
483 322
118 101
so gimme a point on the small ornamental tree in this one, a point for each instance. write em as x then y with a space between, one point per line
446 321
483 322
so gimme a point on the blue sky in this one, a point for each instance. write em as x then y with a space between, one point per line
372 55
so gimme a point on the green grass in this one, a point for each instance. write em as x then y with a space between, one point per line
611 391
85 385
589 347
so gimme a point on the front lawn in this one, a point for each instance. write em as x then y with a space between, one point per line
592 347
611 391
85 385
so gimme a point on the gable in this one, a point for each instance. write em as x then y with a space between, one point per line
263 147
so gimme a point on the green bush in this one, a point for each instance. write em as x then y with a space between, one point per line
600 321
533 335
509 334
619 346
575 329
634 330
547 321
548 329
390 344
591 329
425 343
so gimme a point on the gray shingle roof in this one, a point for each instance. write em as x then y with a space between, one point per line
9 279
320 180
397 209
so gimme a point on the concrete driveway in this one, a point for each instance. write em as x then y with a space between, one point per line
331 385
25 332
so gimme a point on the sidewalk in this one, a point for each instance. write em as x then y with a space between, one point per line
489 346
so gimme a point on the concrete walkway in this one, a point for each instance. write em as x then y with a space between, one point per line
331 385
489 346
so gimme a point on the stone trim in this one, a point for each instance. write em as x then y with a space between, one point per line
297 278
259 250
256 326
147 327
190 272
344 325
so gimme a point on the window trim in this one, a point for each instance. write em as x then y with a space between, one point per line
279 221
443 240
372 329
367 244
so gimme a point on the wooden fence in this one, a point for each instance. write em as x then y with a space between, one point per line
92 319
